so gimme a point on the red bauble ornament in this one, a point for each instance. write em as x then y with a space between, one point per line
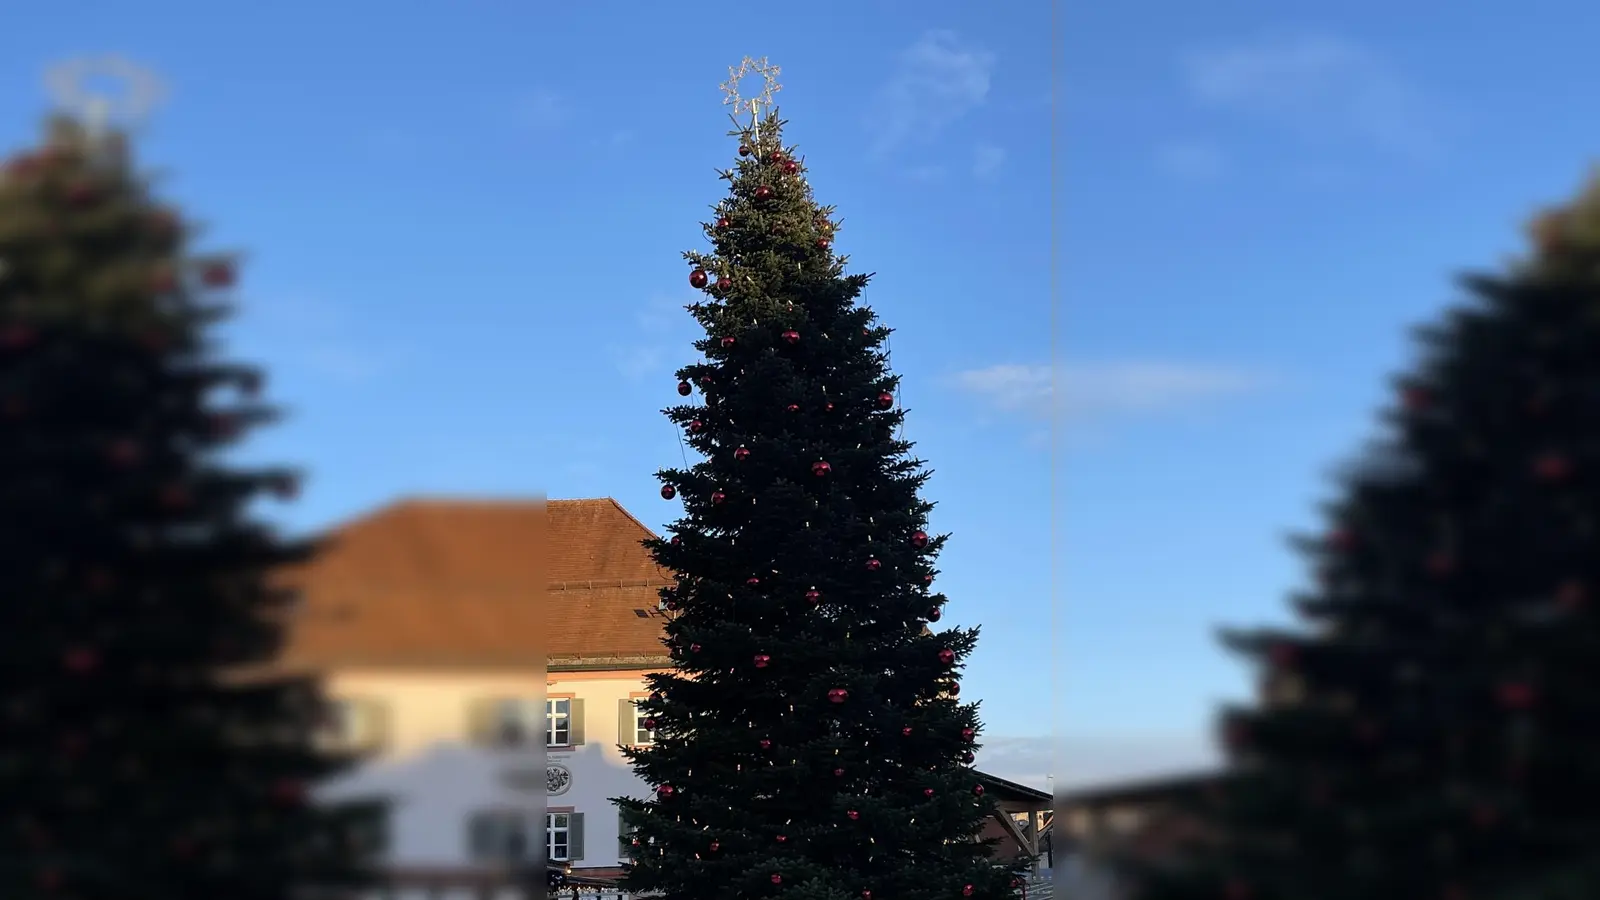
927 792
1516 695
1571 595
885 400
81 661
793 407
866 895
977 790
927 579
695 426
953 689
968 734
968 757
741 454
813 596
217 275
966 890
705 381
752 581
906 731
728 342
776 156
821 469
717 497
634 842
694 648
715 846
676 541
1552 467
289 792
16 337
665 791
123 453
744 150
762 660
698 279
782 838
724 283
873 565
649 724
789 167
723 222
827 407
919 539
947 657
668 492
791 336
1283 655
776 878
838 695
823 243
684 389
838 773
763 193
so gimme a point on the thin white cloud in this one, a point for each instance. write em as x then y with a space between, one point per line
661 327
1077 762
987 160
1322 87
540 109
319 338
1102 390
1191 160
936 81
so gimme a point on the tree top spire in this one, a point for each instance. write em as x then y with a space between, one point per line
757 106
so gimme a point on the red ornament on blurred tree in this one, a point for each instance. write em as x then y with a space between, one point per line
698 279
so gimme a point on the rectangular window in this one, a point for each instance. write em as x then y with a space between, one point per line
558 723
558 836
641 734
351 725
515 722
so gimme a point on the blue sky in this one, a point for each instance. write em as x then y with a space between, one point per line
463 225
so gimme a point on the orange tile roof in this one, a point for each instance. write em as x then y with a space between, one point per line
465 583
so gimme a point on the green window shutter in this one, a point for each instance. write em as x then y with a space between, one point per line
627 732
378 724
575 722
481 721
575 836
624 840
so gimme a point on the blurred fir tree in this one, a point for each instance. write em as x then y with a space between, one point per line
1433 729
136 760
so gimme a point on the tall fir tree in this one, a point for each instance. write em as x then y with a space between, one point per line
136 758
809 743
1432 730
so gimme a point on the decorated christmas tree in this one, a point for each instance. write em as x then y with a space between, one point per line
138 758
1432 730
809 743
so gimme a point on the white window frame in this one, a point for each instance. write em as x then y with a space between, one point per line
642 736
558 834
558 722
515 723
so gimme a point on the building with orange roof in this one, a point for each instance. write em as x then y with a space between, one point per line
487 657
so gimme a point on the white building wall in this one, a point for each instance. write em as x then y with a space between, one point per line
437 775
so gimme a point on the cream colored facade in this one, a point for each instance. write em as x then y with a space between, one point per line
438 754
